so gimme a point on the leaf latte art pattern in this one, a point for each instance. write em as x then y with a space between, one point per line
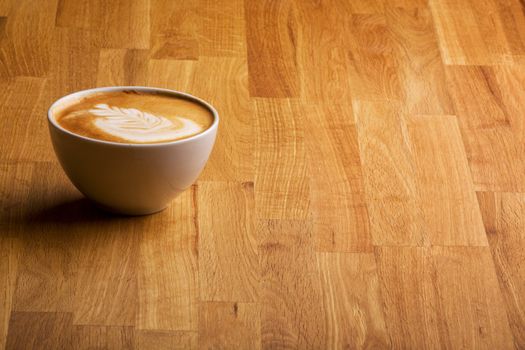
138 126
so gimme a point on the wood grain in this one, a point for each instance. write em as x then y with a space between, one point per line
102 337
351 295
271 33
503 215
292 310
232 158
368 6
228 257
473 306
409 297
14 192
120 24
224 82
173 29
25 54
436 306
366 189
122 67
45 280
40 330
226 325
389 174
338 203
5 7
374 72
9 255
165 340
491 39
323 57
421 71
19 101
105 280
493 148
221 30
167 277
446 191
72 48
281 186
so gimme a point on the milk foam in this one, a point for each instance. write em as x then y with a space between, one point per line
139 126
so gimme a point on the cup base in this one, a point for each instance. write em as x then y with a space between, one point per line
128 212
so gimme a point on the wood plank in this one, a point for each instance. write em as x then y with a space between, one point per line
72 48
374 72
15 190
122 67
47 265
165 340
513 20
5 7
227 325
368 6
172 74
355 133
232 157
487 122
338 203
118 23
221 30
504 81
473 307
281 183
492 29
168 279
40 330
292 310
503 215
442 297
421 71
228 260
9 255
389 175
105 289
173 30
491 37
459 46
25 128
445 187
404 4
72 45
323 57
410 302
353 301
101 337
25 54
271 35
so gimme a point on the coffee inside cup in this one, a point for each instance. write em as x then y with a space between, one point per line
132 116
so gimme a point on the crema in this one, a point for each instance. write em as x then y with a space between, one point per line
134 117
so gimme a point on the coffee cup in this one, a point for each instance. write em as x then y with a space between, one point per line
125 177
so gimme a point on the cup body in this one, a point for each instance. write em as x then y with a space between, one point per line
132 179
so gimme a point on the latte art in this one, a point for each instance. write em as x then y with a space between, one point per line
137 126
132 117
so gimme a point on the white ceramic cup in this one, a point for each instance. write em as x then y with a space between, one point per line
127 178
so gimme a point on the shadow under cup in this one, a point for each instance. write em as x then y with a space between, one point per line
131 178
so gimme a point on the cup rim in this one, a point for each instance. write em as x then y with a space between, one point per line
80 93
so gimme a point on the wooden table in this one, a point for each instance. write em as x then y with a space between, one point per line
367 188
